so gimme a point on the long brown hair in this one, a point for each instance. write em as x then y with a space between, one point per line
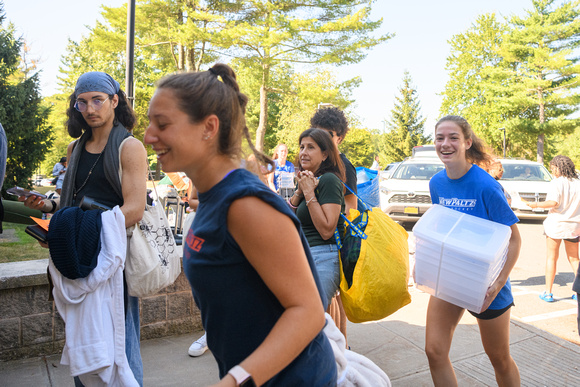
333 163
479 153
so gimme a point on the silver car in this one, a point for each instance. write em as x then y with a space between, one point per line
527 180
405 195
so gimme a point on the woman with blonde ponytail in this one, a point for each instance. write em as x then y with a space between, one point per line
245 256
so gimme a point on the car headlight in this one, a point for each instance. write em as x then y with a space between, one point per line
385 190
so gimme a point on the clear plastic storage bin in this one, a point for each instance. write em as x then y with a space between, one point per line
458 256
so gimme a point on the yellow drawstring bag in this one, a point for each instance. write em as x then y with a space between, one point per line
374 270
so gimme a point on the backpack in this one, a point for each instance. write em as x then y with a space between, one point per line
374 270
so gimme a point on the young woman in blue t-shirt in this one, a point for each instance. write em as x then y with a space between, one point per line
248 263
465 187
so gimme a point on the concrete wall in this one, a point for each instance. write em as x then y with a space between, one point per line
31 326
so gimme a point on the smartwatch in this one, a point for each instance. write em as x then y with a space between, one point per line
242 377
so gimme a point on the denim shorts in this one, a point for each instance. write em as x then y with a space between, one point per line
327 264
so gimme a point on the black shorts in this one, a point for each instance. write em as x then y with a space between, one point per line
573 240
490 314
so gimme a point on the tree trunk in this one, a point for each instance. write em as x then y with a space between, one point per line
542 106
181 58
261 131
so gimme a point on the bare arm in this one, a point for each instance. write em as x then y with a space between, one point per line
133 183
325 216
546 204
45 205
271 243
512 257
350 201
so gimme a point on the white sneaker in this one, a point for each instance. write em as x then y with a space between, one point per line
198 347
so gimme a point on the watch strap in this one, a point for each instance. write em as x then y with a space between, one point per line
241 376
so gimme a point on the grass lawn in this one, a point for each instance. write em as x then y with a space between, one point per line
26 248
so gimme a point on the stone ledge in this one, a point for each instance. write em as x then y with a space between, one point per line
22 274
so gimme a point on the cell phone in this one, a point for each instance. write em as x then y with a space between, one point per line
19 191
37 233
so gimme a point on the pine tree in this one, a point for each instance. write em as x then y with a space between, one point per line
406 125
21 112
541 51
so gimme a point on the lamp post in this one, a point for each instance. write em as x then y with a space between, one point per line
503 129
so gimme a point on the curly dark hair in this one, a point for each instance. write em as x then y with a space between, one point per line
76 123
565 166
333 162
215 91
331 118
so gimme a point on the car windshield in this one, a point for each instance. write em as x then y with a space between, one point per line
417 171
528 172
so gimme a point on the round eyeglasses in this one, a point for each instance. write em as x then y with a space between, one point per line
97 104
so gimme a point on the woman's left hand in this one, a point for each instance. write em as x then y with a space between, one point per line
491 293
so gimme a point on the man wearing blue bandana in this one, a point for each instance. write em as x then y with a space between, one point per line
100 118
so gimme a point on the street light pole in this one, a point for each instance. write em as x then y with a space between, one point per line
503 129
130 62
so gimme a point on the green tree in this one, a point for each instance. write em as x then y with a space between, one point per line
21 110
298 104
521 75
480 81
268 34
405 127
541 48
358 147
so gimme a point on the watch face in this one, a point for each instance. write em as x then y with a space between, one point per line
249 382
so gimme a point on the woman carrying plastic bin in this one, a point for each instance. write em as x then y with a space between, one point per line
465 187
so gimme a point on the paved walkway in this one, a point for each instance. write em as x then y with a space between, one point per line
395 344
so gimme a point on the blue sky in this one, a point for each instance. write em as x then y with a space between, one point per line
422 27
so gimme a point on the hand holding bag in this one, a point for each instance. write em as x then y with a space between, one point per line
153 261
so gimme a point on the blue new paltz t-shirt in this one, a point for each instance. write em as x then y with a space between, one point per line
476 193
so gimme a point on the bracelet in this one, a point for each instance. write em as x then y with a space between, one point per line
311 199
289 201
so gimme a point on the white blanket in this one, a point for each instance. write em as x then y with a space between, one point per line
93 311
353 369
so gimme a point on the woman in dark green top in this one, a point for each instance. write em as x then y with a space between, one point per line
318 201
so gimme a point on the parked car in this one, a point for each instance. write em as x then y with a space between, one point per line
528 180
389 170
405 195
424 151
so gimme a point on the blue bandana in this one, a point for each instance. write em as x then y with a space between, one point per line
96 81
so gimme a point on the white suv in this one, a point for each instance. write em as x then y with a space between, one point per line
405 195
528 180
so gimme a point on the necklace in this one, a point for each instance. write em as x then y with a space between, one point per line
76 191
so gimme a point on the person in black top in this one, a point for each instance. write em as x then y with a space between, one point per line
100 117
333 120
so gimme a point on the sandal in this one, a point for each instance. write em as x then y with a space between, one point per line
548 297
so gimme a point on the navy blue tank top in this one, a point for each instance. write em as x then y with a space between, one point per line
237 308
